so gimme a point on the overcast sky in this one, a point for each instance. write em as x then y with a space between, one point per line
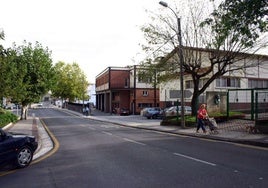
95 34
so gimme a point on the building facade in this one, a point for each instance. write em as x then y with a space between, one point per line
238 84
121 87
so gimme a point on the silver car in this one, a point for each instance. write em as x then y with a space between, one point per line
172 111
152 112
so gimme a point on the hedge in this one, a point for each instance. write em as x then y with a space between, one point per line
6 117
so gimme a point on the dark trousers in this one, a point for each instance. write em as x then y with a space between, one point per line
200 124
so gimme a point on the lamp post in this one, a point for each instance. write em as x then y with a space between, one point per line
179 51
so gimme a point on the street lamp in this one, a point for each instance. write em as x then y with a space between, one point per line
179 51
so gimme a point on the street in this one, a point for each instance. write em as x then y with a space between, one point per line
98 154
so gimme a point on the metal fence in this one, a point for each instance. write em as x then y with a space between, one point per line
253 103
261 105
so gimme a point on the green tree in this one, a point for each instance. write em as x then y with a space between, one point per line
2 67
245 19
70 83
29 74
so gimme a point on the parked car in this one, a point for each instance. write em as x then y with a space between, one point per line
172 111
124 112
11 106
143 111
16 149
37 105
153 113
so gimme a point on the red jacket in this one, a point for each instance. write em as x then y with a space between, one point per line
202 113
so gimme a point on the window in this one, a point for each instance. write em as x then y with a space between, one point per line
228 82
190 83
144 105
145 93
142 79
202 82
126 82
173 94
254 83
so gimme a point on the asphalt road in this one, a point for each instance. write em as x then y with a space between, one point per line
97 154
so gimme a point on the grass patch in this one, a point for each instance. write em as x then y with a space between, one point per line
6 117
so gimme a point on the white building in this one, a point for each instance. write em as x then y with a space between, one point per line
254 75
92 94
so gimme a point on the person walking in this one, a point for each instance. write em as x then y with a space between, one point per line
87 111
201 116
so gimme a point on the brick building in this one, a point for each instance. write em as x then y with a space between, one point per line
121 87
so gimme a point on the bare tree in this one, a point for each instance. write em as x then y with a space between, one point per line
207 56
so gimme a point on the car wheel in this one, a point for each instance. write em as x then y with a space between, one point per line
24 157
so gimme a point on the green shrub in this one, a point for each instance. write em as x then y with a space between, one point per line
2 111
190 121
6 117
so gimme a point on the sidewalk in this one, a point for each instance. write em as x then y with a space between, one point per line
33 126
233 131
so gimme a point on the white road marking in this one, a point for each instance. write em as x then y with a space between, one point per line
133 141
106 126
107 133
126 139
194 159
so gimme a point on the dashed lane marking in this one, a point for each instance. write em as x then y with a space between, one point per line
133 141
110 134
194 159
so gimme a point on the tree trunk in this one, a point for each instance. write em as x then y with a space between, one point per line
24 112
194 103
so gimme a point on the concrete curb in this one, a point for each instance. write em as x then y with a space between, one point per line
239 141
255 142
8 126
45 143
